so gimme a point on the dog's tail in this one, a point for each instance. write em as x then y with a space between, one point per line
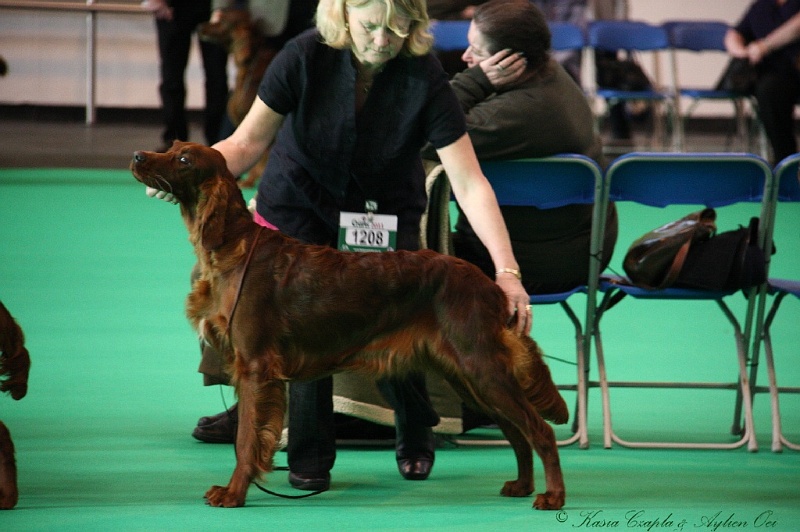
15 362
540 388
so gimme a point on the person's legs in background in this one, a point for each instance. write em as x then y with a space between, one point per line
174 43
777 95
215 66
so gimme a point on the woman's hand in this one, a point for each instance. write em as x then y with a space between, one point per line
160 194
159 8
756 51
519 307
504 68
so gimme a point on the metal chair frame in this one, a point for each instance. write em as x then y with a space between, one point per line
658 180
708 37
546 183
787 189
632 36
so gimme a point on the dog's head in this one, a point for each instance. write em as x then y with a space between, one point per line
199 179
220 31
181 170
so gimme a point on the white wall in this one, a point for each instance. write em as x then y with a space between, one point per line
46 53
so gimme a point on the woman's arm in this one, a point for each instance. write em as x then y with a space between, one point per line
477 199
251 139
785 34
734 43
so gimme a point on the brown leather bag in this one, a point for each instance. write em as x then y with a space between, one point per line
656 258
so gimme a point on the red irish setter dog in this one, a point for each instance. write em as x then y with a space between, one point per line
282 310
14 366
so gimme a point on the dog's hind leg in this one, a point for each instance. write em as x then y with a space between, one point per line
262 403
525 430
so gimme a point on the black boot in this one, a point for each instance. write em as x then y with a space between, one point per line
415 451
414 416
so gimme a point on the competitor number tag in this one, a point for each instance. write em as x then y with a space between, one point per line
360 231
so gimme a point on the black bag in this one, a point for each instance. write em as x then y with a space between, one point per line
687 253
621 74
739 76
656 258
729 261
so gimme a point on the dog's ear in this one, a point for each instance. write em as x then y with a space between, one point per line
212 213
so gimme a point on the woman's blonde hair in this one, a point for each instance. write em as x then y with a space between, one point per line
331 20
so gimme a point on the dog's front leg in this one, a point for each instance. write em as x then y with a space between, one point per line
261 410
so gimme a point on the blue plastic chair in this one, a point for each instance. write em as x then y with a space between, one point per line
450 35
547 183
566 36
707 37
710 180
787 176
633 37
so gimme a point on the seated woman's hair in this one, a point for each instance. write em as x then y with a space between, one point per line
517 25
331 21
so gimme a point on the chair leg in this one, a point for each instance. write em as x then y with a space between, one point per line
743 385
579 423
778 439
604 393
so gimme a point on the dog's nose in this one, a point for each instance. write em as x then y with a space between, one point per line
138 157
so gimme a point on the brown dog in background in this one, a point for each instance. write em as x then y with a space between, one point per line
15 364
280 310
245 41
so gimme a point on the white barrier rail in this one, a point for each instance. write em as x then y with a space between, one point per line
92 9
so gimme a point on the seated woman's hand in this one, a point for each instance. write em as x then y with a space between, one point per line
504 68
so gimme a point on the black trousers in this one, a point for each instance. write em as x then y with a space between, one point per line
777 93
174 45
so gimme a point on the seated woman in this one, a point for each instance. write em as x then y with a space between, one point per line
769 36
520 103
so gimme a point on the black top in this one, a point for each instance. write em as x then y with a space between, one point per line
761 18
326 158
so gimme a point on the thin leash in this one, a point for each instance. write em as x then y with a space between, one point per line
228 332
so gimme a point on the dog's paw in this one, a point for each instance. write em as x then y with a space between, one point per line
8 497
548 501
516 488
223 497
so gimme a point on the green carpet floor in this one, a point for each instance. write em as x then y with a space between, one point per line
96 274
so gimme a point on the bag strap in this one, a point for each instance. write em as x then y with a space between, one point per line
676 266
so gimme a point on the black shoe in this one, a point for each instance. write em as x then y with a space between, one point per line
223 430
208 420
310 481
415 451
414 468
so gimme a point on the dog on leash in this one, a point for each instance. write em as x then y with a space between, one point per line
15 363
281 310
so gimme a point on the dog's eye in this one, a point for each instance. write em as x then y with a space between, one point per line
184 159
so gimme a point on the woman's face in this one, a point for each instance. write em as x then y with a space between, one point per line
478 49
373 42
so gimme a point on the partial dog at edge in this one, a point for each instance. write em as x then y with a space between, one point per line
281 310
15 364
242 36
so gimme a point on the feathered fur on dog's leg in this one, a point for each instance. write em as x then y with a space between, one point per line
15 364
540 388
8 471
262 402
